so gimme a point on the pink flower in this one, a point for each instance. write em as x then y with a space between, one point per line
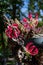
15 25
32 49
18 31
9 31
24 20
36 17
12 32
15 35
30 16
27 26
9 27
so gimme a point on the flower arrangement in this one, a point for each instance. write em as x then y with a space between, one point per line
18 32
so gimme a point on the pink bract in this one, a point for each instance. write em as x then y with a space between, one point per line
30 15
15 25
9 32
30 48
24 20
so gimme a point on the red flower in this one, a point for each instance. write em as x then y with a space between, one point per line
16 33
9 31
32 49
24 20
30 15
12 33
15 25
27 26
9 27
